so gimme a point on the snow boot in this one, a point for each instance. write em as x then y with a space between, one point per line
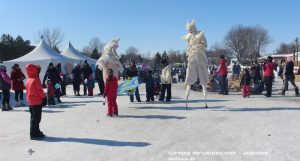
282 93
8 107
297 91
4 108
22 104
17 104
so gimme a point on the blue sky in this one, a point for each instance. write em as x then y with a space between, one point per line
149 25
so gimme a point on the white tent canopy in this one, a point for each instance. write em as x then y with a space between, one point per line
72 53
42 55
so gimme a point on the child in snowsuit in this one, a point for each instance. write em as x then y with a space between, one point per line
50 93
149 87
245 83
90 85
110 92
36 98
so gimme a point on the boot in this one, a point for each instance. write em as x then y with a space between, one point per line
22 103
17 104
131 98
297 91
8 107
4 108
282 92
58 100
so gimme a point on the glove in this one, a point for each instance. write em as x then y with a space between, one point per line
104 95
44 101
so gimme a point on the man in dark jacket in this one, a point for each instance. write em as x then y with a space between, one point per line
149 86
76 79
53 75
132 72
289 76
86 72
99 78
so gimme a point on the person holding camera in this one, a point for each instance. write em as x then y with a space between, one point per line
268 68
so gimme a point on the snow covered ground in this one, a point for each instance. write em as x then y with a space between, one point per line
232 128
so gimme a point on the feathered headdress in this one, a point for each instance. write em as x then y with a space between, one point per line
191 25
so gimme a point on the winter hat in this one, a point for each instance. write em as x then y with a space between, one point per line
57 86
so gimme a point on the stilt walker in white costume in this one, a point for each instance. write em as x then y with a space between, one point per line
197 60
110 59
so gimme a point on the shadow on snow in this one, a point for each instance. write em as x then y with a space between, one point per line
96 141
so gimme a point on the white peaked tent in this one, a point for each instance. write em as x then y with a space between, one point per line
42 55
72 53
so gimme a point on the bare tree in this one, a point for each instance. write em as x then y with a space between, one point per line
96 43
53 36
215 52
87 51
175 56
285 48
132 53
132 50
246 43
259 39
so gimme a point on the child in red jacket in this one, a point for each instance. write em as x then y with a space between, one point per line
245 83
36 98
111 86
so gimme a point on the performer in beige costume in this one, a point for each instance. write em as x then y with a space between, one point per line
110 59
197 59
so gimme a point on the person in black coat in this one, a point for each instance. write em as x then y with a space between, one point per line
289 76
132 72
76 79
99 78
54 76
86 72
63 82
149 86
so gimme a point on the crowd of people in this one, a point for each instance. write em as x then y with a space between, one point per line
258 77
55 83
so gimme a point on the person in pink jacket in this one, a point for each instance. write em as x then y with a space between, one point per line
5 86
269 68
36 98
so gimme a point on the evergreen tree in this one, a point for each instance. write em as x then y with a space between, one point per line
95 54
157 60
11 48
